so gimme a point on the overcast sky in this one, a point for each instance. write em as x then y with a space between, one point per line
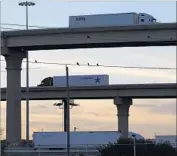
147 117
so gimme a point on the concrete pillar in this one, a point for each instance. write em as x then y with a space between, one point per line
13 110
123 105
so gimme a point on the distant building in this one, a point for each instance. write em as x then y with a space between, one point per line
171 139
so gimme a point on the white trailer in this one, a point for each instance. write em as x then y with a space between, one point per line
108 20
48 140
81 80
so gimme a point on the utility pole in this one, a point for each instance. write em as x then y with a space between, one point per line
27 4
134 145
64 104
0 77
68 111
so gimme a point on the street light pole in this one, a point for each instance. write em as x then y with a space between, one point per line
134 145
26 4
0 81
68 112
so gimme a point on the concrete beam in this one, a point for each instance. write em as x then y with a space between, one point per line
101 92
66 38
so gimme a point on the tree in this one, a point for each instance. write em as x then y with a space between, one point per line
124 147
165 149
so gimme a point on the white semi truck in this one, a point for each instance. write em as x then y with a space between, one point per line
107 20
76 80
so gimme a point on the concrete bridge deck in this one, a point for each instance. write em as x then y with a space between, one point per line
157 90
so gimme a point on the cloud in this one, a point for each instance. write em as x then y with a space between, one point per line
153 101
86 125
163 108
48 125
147 131
98 115
143 56
40 106
93 113
82 125
142 116
148 74
91 118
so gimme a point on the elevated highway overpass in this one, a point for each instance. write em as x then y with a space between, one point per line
121 94
158 90
16 43
163 34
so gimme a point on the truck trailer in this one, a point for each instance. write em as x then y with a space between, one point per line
108 20
78 139
76 80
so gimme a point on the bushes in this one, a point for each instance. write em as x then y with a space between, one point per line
124 147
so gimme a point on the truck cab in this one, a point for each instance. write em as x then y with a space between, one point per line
48 81
144 18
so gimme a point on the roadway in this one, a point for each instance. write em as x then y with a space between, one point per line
163 34
157 90
45 152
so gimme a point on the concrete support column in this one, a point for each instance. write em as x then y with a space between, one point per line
13 109
123 105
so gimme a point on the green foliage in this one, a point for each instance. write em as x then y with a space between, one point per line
124 147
